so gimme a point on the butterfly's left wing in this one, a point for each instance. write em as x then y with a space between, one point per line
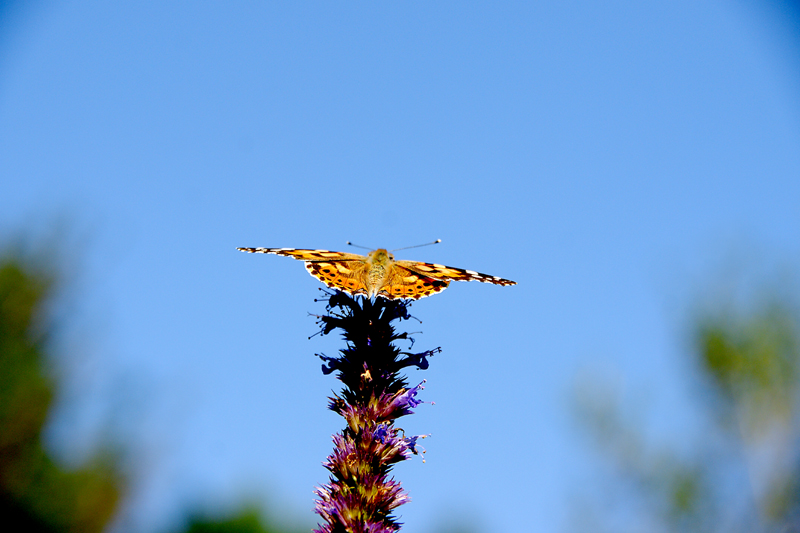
441 272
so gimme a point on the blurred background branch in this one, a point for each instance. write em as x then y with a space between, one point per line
742 472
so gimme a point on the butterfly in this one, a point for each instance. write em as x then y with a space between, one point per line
379 274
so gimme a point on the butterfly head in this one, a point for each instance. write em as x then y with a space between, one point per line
381 257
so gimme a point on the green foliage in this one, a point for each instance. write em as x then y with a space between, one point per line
36 494
248 520
753 361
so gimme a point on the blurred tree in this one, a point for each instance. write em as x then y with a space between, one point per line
743 472
36 494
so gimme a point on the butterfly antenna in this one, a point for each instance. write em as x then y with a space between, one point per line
437 241
358 246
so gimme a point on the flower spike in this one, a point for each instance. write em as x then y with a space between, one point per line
360 495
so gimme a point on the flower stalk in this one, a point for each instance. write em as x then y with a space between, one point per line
361 496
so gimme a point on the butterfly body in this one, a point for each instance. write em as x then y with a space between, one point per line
379 274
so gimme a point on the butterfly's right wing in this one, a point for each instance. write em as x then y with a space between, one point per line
305 254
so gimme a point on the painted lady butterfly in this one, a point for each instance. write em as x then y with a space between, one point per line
379 274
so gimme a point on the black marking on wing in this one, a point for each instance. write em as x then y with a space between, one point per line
452 273
304 254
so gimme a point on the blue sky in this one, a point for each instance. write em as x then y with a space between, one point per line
606 156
